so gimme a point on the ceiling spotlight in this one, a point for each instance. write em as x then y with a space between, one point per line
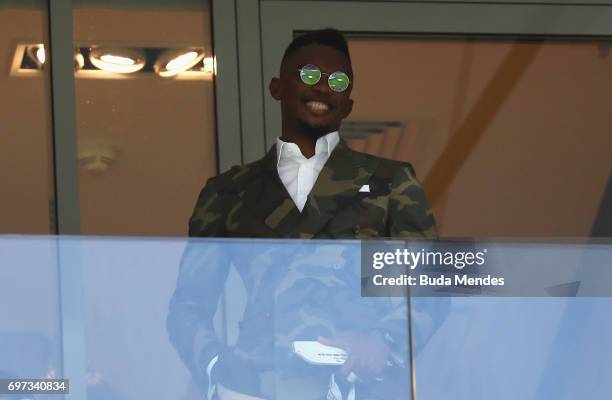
122 61
79 60
173 62
40 54
37 54
209 65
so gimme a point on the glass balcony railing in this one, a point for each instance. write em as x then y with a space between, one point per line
128 318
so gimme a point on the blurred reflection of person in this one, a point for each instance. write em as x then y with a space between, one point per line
310 185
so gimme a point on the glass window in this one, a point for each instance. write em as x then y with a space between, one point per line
26 170
145 114
510 137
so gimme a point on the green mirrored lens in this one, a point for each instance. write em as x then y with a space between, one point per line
310 74
339 81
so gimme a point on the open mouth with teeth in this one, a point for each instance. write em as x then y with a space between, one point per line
318 107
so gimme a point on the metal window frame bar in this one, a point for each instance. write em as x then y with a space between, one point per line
72 315
66 176
227 84
252 93
66 173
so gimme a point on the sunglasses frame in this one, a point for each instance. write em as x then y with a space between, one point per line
328 77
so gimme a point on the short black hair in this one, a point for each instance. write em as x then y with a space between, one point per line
327 37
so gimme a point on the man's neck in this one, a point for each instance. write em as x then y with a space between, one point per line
306 144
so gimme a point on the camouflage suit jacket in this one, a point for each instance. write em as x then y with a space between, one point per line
251 202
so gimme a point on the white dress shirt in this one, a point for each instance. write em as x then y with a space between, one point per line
299 173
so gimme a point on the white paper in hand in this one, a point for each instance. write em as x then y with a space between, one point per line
314 352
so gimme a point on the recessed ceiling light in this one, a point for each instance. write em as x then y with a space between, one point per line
122 61
209 65
91 61
40 54
79 60
37 54
173 62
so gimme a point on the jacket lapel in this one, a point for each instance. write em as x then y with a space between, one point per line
338 183
267 200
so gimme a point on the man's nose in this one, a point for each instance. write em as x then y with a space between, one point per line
322 86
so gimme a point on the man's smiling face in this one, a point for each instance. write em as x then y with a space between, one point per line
312 110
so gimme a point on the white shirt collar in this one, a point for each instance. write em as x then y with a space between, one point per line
324 146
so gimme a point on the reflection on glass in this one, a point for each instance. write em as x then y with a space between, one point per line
509 137
303 312
26 170
145 117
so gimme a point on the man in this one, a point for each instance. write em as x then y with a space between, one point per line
309 185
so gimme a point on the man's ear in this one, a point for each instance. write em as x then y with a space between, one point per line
275 88
349 108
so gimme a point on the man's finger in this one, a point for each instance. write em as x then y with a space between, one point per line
324 340
348 366
335 341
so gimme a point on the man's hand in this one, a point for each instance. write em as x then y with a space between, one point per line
368 353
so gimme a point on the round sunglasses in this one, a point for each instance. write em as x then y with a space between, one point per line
311 74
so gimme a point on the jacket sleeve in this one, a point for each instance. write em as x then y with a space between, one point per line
409 217
203 270
209 214
409 212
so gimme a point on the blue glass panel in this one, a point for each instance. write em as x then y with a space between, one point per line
172 318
